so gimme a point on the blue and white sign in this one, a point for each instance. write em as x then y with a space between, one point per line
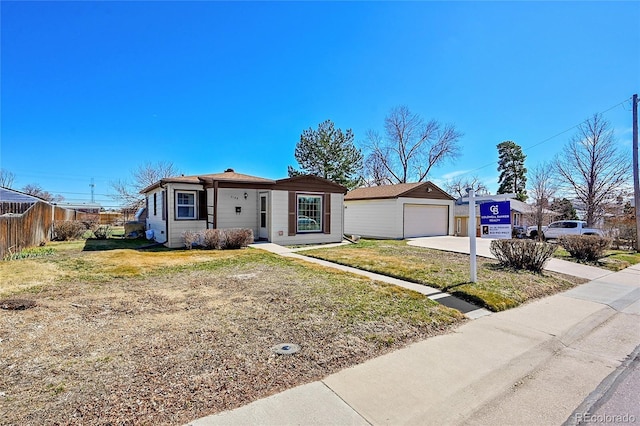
495 219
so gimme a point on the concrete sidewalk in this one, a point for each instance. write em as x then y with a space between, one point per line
530 365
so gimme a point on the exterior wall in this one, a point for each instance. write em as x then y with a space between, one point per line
169 231
385 218
177 227
228 200
155 221
279 215
373 218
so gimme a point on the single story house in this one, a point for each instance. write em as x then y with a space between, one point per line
404 210
297 210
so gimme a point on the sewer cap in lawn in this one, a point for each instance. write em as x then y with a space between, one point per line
285 348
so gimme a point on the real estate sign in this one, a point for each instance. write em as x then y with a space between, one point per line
495 219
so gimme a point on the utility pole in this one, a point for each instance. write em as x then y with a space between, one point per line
93 186
636 180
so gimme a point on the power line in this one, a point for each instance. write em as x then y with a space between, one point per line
552 137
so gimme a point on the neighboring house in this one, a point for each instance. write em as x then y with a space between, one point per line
399 211
522 214
297 210
15 202
26 220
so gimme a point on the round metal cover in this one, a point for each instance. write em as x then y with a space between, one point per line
285 348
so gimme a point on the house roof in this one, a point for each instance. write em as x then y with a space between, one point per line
12 196
228 175
232 179
396 191
309 183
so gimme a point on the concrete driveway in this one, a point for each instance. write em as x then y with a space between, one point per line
462 244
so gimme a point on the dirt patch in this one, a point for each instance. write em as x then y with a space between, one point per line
195 340
17 304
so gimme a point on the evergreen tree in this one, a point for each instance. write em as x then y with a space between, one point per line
564 208
513 174
329 153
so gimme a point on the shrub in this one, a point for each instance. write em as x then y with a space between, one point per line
238 238
212 239
219 239
68 230
102 232
190 239
585 247
522 254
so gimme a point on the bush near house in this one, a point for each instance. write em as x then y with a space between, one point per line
218 239
585 247
522 254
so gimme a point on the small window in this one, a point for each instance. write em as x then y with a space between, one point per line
155 203
571 224
309 213
185 205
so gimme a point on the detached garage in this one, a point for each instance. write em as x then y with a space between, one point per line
406 210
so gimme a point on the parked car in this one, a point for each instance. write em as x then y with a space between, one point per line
518 232
563 227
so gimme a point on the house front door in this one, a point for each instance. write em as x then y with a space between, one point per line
263 231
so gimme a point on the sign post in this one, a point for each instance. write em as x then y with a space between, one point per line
472 236
472 227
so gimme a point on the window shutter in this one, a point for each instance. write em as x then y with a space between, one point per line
327 213
293 222
202 205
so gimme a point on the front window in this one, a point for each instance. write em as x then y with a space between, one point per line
309 213
185 205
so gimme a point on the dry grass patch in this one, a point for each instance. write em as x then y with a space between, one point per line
497 288
189 334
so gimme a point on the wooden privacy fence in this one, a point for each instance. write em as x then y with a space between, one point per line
32 227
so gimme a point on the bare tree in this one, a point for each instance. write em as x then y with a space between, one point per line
6 178
374 172
592 167
411 147
542 187
127 192
458 186
37 191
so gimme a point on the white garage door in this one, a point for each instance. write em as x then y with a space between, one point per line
425 221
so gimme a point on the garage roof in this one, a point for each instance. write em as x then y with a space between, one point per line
408 190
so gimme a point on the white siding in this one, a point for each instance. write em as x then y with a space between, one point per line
279 232
177 227
385 218
372 218
154 221
228 200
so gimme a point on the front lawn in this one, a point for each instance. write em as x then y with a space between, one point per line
125 336
613 260
497 288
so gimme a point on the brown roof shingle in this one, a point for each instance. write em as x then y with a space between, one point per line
395 191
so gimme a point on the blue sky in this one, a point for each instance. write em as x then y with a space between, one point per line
95 89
